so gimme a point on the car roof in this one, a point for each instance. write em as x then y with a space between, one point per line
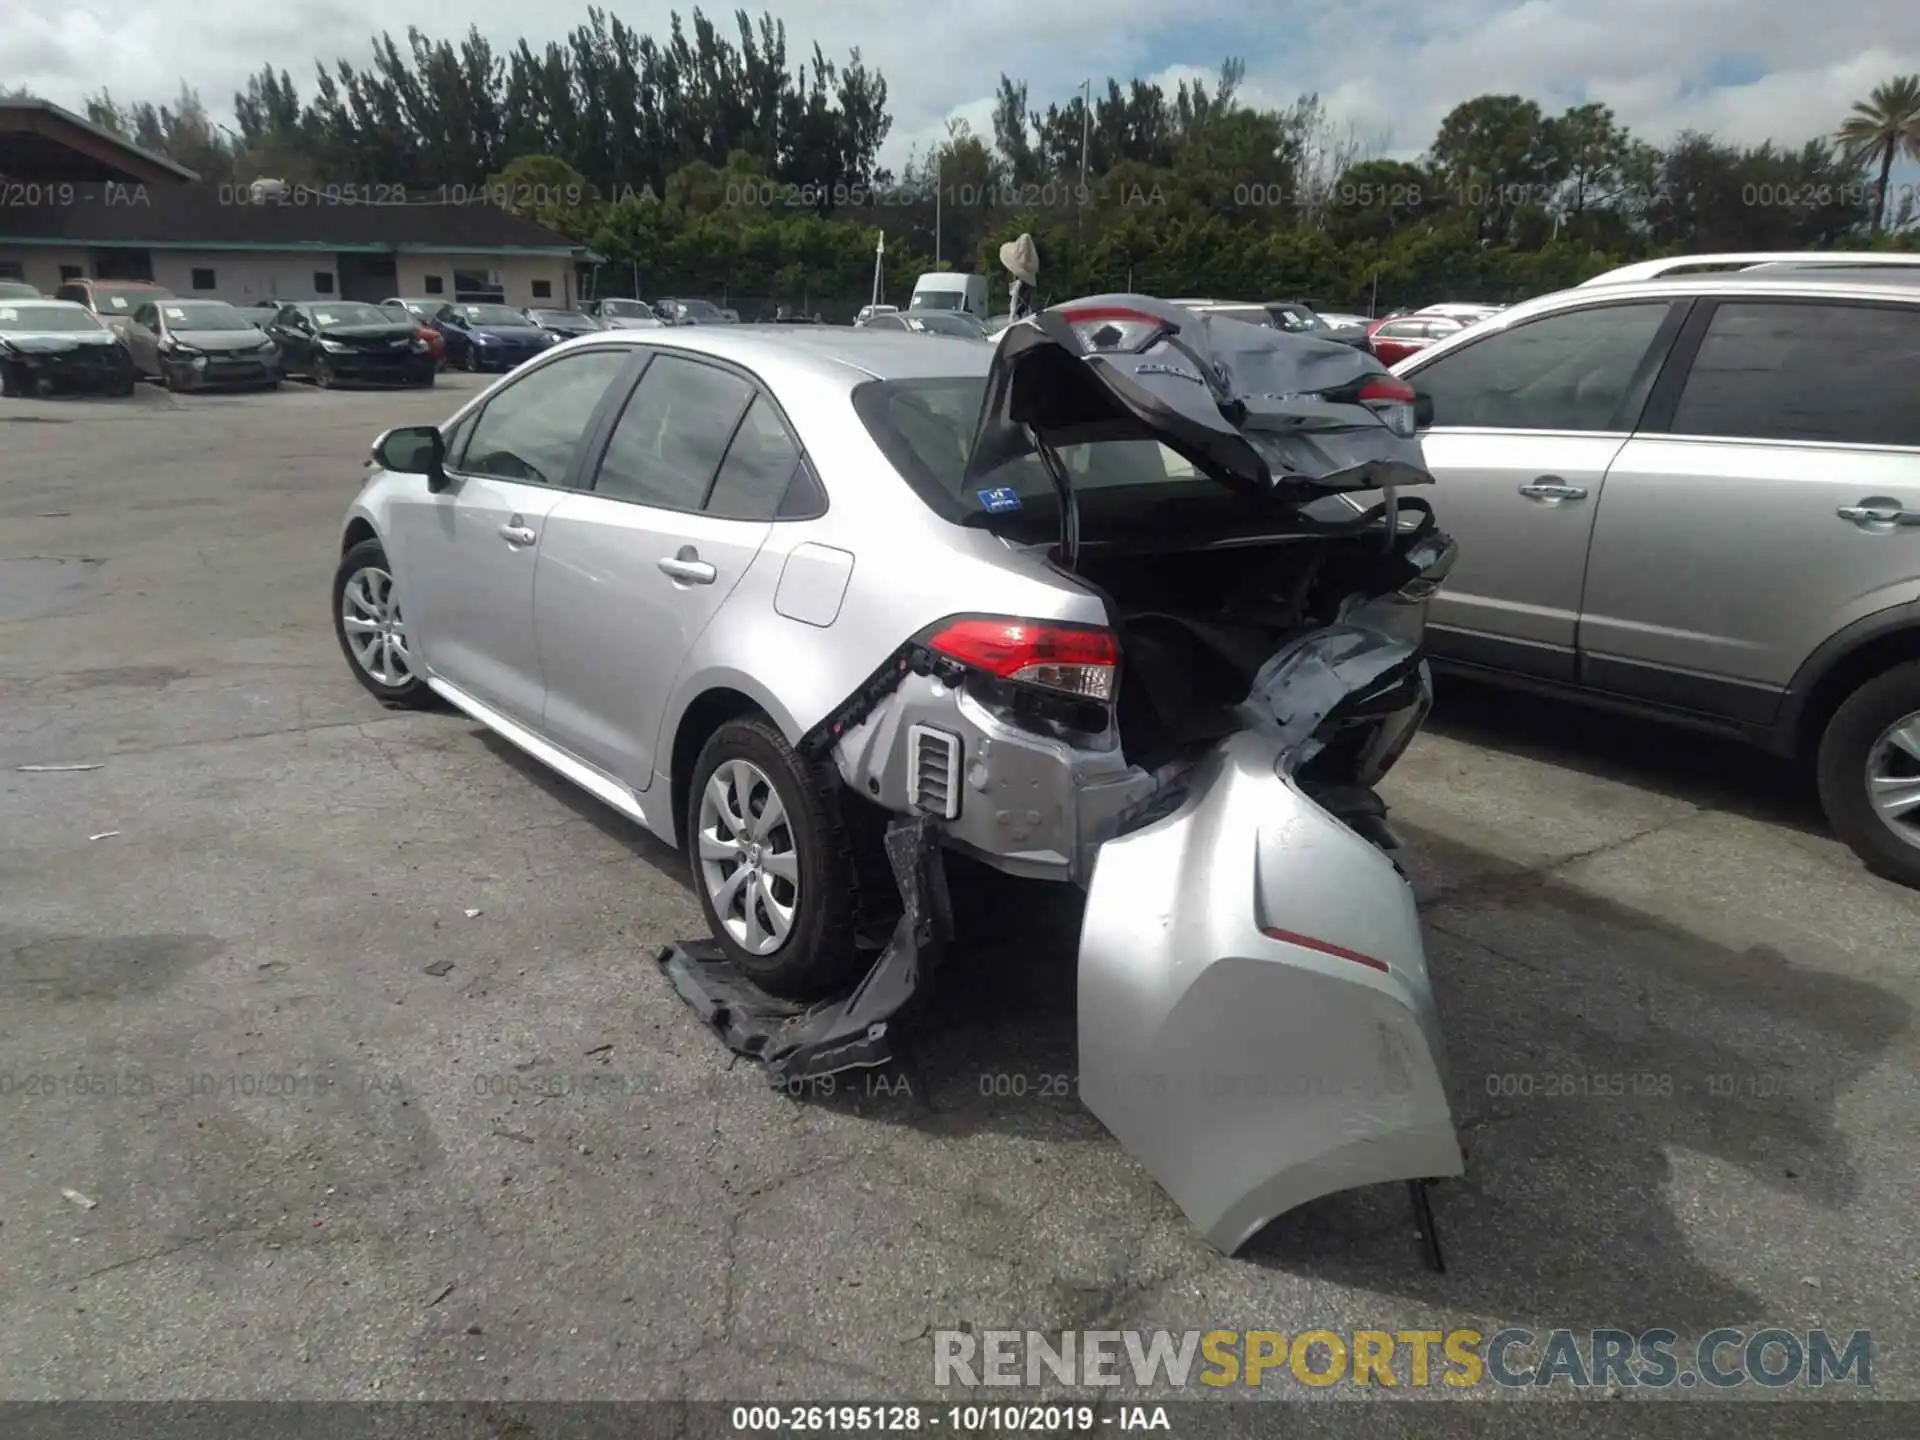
1736 261
45 303
822 352
1783 283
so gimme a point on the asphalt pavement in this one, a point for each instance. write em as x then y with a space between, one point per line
336 1062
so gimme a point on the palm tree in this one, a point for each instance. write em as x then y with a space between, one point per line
1883 125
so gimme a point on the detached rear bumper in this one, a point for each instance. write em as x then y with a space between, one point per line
1256 1024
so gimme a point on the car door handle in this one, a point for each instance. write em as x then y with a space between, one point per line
689 570
1552 487
515 533
1878 511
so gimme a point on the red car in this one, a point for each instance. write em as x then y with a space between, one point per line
1393 340
436 342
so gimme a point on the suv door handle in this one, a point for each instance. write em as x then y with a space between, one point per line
1552 487
1877 510
688 568
515 532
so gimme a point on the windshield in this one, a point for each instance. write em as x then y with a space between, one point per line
1298 319
938 300
563 317
205 316
926 428
704 309
109 301
20 319
329 316
627 309
490 315
955 324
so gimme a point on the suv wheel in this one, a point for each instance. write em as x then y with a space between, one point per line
771 864
1869 772
372 631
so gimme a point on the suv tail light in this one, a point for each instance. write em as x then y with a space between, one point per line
1067 659
1114 327
1391 398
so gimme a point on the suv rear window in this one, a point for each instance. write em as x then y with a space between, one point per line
1828 372
925 427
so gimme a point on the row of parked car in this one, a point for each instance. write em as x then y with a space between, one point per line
105 336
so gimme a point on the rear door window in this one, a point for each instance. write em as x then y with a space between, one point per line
1845 374
532 430
759 465
667 445
1578 370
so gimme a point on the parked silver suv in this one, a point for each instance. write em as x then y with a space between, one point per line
1698 496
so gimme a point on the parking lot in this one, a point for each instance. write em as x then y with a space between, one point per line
278 1155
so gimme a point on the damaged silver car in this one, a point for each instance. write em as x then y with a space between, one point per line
1096 605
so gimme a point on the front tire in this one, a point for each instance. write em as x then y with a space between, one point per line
372 631
1869 773
323 375
771 863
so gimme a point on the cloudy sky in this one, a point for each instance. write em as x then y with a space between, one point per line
1747 69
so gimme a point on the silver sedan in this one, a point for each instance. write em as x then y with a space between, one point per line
790 599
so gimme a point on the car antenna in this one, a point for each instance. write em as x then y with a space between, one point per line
1069 501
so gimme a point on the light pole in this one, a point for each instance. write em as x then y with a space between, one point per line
1086 127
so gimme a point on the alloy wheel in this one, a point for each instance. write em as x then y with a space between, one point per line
1893 778
376 631
749 861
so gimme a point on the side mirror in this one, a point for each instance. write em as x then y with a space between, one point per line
1422 409
414 450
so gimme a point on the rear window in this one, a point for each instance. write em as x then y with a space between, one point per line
925 427
1830 373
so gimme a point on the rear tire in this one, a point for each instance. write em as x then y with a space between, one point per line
363 593
801 865
1857 743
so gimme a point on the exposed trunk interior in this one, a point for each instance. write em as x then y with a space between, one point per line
1195 626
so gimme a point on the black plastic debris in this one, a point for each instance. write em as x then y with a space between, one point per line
857 1031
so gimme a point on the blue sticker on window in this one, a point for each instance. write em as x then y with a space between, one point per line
1000 498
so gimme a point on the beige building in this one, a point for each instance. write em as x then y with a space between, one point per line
83 204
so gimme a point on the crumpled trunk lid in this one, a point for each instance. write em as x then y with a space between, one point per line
1263 412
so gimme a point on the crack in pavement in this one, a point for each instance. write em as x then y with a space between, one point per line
136 751
162 1254
1531 877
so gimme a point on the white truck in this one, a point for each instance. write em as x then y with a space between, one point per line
951 290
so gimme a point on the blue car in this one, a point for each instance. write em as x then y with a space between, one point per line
489 337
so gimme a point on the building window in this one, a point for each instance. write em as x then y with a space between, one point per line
203 279
543 289
435 285
12 270
323 282
72 272
477 287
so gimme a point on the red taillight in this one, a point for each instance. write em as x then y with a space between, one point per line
1324 947
1073 659
1385 387
1391 398
1114 327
